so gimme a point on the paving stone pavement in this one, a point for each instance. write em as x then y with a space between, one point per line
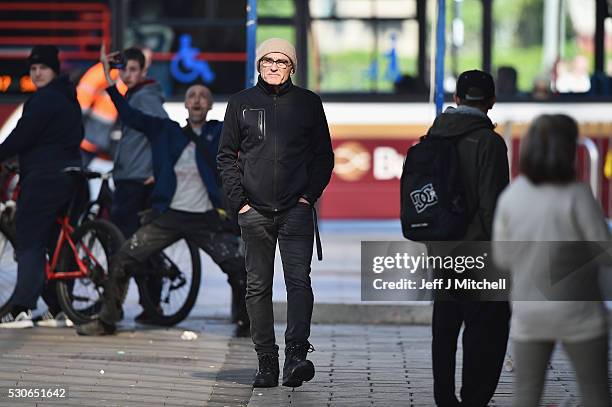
377 365
357 365
137 367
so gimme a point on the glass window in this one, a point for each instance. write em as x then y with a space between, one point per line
464 39
193 42
366 54
275 8
265 32
517 41
362 8
549 49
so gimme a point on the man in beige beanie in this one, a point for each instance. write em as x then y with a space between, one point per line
275 159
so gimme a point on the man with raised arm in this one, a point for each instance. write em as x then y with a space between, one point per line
186 202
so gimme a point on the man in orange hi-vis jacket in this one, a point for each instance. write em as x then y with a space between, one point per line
99 113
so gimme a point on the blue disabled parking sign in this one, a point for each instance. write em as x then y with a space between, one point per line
186 67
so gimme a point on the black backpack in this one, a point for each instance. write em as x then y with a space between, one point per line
432 197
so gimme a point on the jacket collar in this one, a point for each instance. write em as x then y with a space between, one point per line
274 90
188 130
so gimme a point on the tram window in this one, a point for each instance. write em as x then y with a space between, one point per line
517 40
464 28
545 50
371 51
285 32
275 8
362 8
211 33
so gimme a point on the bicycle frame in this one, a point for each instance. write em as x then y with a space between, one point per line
66 230
65 237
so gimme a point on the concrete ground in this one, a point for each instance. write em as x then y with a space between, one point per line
357 365
367 354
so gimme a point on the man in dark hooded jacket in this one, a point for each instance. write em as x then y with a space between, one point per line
46 140
483 162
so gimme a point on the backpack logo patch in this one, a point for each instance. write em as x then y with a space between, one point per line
424 198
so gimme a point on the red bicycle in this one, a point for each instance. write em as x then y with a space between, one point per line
79 262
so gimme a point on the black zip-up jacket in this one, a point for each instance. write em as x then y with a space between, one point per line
483 158
49 133
275 147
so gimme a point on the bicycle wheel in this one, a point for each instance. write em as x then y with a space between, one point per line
96 242
169 291
8 268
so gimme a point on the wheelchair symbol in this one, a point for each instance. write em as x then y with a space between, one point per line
185 66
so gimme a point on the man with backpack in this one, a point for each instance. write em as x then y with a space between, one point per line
186 200
450 185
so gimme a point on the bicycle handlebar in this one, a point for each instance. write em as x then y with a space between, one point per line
86 173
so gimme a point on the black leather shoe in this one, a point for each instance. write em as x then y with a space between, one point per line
267 374
297 369
96 328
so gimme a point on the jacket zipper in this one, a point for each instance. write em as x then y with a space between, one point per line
275 97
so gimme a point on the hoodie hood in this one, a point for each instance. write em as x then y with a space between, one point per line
458 122
147 86
62 85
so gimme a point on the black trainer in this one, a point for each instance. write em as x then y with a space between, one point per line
267 374
297 369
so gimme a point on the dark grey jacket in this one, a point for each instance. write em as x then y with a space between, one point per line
483 158
133 159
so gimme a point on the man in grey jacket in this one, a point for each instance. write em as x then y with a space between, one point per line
133 170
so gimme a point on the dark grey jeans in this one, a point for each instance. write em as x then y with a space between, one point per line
294 231
203 229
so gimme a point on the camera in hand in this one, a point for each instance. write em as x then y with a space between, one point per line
118 61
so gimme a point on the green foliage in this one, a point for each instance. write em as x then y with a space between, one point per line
275 8
529 28
348 72
272 31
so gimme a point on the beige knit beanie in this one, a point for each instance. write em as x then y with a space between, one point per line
276 45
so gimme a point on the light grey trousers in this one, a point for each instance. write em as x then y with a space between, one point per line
589 359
